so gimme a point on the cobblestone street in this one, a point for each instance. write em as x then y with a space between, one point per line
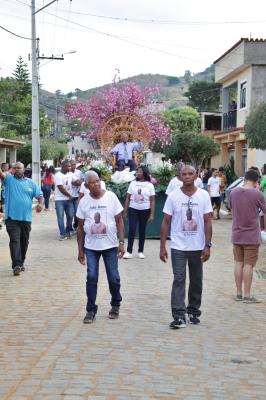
46 352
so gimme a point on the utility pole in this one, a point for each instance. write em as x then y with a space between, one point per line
35 128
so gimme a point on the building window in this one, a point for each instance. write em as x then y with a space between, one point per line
243 94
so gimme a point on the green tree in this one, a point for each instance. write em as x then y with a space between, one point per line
50 150
204 95
191 147
255 127
183 119
22 76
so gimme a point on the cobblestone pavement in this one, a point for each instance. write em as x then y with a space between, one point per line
46 352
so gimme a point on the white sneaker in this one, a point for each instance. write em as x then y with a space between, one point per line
127 255
141 255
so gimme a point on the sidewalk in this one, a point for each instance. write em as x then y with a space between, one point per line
47 353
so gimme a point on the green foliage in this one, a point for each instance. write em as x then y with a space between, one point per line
119 189
229 172
255 128
191 147
163 172
183 119
50 150
204 95
22 76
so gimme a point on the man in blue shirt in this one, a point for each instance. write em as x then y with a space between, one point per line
19 193
124 151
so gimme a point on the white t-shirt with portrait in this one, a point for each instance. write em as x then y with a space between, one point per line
64 180
187 225
140 192
99 215
85 190
214 184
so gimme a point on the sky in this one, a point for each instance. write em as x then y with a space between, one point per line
134 36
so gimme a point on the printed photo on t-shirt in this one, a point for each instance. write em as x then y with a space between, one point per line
99 221
189 215
139 197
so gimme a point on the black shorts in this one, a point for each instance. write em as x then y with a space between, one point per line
216 201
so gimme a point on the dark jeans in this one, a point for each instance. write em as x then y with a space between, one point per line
179 261
111 266
64 207
136 217
75 207
121 165
19 234
46 194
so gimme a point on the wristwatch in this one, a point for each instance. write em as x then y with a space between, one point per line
208 244
121 242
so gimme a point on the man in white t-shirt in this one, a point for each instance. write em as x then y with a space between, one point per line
189 211
214 189
75 190
100 226
63 199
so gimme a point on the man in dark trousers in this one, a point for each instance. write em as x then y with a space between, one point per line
19 193
188 245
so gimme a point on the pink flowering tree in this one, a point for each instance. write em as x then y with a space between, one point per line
120 97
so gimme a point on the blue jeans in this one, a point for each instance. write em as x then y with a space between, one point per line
61 207
111 266
122 163
46 194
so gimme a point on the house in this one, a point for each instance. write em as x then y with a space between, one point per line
242 72
8 150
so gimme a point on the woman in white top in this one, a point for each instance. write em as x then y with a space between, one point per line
139 209
84 189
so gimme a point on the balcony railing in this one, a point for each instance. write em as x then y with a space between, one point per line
229 120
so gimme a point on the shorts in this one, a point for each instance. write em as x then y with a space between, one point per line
246 253
216 201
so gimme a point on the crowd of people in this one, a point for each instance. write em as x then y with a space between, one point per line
84 207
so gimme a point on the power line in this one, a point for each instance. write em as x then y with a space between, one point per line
15 34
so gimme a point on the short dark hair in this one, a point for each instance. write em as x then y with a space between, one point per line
252 175
146 173
221 169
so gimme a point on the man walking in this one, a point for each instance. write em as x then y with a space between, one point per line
246 203
75 191
19 193
64 200
189 243
214 189
100 223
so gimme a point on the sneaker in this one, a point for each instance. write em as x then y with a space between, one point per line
89 318
141 255
62 237
250 300
16 270
178 323
114 313
193 319
127 255
22 268
238 297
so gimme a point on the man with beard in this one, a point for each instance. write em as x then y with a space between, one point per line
19 193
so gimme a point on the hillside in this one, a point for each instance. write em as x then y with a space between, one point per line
172 89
